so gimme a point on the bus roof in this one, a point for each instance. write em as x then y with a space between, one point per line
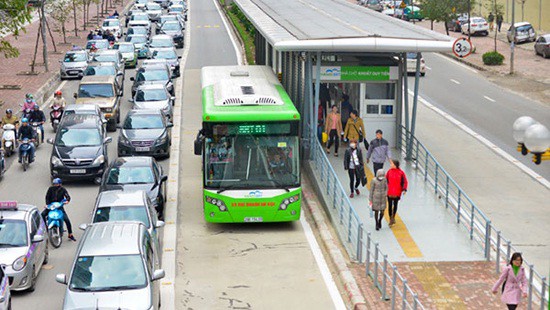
244 93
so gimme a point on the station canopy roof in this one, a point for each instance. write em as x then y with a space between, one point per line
337 26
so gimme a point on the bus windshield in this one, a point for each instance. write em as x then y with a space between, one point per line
246 156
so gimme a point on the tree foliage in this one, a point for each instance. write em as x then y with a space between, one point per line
445 10
60 11
14 14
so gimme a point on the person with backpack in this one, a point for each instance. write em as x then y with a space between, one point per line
513 281
397 186
355 129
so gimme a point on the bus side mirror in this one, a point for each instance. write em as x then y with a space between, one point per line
198 147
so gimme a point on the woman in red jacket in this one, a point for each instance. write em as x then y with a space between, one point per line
397 185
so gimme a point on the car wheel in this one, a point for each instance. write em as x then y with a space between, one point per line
33 280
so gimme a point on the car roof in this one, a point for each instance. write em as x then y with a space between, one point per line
161 36
133 161
112 238
77 52
145 112
519 24
104 79
102 52
161 49
137 35
19 214
152 67
80 121
148 86
120 198
101 64
98 40
82 107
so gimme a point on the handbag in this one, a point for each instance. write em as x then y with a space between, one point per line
361 174
324 137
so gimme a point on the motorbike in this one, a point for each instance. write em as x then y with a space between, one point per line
55 222
25 149
8 139
55 117
38 132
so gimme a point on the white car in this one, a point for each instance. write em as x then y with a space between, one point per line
113 25
153 10
478 25
411 64
139 19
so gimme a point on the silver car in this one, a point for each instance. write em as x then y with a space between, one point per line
124 205
22 246
73 64
153 96
113 25
116 267
5 293
114 56
153 11
171 57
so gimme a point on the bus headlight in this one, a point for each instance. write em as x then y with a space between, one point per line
217 202
287 201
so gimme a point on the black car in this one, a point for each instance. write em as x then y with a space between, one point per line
79 148
158 74
145 132
137 173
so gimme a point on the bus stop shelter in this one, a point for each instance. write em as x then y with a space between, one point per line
309 42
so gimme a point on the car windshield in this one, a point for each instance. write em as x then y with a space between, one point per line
140 17
524 28
152 75
96 90
71 137
136 39
151 95
252 155
122 213
106 57
412 55
137 30
130 175
13 233
142 1
161 42
176 9
171 26
124 48
74 57
102 44
165 54
100 70
478 20
166 18
141 121
152 6
111 23
108 273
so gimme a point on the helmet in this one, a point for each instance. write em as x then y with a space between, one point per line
29 96
56 181
36 106
24 120
9 111
58 93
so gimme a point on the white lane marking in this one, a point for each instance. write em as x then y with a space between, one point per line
169 244
231 34
457 63
428 68
322 264
489 98
47 102
455 81
486 142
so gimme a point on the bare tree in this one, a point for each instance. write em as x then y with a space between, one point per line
60 11
522 2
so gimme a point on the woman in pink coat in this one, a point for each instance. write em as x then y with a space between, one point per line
515 282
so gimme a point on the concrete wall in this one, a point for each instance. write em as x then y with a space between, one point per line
531 12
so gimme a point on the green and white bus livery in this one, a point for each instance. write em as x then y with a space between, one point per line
250 147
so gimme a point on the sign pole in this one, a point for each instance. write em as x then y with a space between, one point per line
513 44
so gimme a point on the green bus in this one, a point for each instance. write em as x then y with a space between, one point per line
250 145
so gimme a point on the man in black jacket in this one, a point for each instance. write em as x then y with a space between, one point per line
26 132
37 116
57 193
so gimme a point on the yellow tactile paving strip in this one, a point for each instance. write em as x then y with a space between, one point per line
436 286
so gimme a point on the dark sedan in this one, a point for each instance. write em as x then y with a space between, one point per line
542 46
158 74
145 132
137 173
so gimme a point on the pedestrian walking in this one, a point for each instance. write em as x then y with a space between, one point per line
320 122
379 149
397 186
355 128
90 35
346 109
513 281
377 196
353 163
500 18
491 20
333 128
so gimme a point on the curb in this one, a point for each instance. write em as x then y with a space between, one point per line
354 294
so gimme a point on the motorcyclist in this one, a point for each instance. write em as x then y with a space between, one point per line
56 193
109 36
93 49
37 116
26 132
10 118
28 105
58 100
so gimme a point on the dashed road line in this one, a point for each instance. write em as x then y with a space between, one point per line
428 68
489 98
455 81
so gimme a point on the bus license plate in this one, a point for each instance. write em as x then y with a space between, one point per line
77 171
143 149
253 219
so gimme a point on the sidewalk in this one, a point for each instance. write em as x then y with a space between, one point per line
11 69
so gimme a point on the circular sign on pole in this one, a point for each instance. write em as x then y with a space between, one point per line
462 47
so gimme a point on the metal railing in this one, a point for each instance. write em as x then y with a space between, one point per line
358 242
478 225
